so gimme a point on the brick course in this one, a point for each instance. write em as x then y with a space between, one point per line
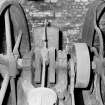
67 15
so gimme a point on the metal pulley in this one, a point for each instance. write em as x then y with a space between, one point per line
81 59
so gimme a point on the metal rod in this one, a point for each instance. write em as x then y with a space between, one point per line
17 42
43 74
8 33
13 92
4 88
44 55
72 82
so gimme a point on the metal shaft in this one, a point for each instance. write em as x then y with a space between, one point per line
44 54
13 93
72 82
8 33
15 49
4 88
43 74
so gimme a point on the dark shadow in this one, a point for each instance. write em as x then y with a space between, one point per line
1 79
91 71
2 34
78 97
60 40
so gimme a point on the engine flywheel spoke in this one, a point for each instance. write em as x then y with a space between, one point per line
8 33
16 47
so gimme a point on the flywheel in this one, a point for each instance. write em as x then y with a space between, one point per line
94 34
14 44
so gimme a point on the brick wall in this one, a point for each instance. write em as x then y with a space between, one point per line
68 15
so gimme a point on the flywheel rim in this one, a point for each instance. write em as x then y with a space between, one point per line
92 40
18 23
